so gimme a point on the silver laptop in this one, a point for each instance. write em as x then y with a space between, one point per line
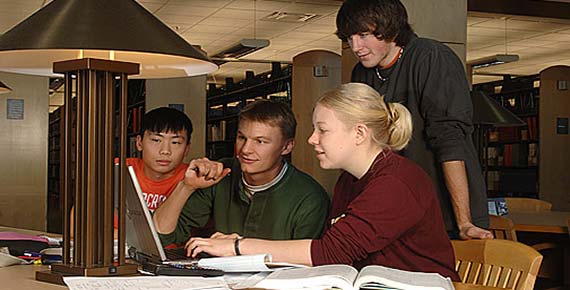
141 237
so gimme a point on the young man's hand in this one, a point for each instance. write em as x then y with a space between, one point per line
203 173
471 231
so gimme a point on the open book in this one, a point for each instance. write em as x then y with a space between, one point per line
346 277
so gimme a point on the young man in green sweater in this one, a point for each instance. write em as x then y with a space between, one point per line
256 193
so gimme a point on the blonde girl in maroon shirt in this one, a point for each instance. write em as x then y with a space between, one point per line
385 209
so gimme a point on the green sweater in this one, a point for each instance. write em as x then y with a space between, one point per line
294 208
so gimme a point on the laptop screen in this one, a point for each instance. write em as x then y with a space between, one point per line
141 236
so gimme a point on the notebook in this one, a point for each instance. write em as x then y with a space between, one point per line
141 236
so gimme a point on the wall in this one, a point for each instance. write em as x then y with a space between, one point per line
189 91
23 154
306 89
554 156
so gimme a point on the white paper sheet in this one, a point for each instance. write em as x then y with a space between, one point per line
245 263
144 283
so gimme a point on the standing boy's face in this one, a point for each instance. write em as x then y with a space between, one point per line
260 148
162 152
370 50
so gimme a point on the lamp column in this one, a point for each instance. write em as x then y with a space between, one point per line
93 184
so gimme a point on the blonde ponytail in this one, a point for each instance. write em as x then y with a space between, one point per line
400 126
391 123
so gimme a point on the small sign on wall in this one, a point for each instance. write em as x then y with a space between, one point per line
562 126
562 85
15 109
320 71
179 107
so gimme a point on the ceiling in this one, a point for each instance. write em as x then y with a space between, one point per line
218 24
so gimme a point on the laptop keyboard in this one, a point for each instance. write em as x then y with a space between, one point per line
174 254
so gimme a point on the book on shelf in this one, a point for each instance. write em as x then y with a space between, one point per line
346 277
533 154
493 179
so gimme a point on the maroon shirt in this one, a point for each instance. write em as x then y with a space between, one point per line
389 217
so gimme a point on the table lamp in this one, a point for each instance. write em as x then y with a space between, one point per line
96 44
4 88
489 113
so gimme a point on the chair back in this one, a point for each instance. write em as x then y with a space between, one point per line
497 263
523 204
502 228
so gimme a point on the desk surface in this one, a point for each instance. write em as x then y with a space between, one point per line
543 222
23 277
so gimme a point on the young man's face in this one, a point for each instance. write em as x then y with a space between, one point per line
371 51
162 152
260 148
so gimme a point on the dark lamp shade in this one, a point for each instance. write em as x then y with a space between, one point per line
487 111
119 30
4 88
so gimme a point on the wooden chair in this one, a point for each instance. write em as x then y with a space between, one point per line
523 204
502 228
497 263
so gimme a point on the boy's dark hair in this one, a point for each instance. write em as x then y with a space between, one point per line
386 19
166 119
276 113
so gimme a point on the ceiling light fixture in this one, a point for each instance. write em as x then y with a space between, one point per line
243 47
493 60
282 16
497 58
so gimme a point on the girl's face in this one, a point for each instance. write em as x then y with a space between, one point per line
334 143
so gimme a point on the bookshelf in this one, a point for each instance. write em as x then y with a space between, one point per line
224 103
510 157
136 95
55 142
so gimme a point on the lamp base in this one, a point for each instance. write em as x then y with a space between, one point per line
58 271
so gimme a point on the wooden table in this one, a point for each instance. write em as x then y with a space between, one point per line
541 222
20 277
23 277
549 226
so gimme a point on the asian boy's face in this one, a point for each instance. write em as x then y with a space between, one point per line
162 152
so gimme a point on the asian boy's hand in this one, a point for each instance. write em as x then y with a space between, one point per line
218 235
203 173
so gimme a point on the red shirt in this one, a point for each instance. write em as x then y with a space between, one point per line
389 217
156 192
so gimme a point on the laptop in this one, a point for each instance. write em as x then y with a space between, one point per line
141 237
